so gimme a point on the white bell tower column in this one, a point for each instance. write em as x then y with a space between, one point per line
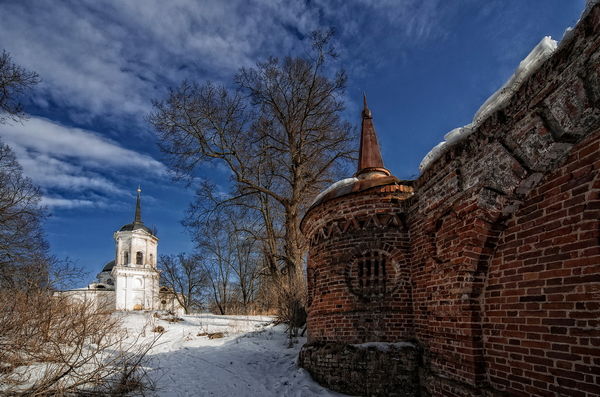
135 273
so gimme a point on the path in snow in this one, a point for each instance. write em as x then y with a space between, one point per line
253 360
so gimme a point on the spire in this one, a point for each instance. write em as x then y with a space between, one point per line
138 207
370 162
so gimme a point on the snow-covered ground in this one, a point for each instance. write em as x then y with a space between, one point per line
251 360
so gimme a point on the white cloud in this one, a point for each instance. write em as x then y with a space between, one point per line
76 164
54 202
87 148
52 173
108 59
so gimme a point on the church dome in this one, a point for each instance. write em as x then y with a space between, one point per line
135 226
109 266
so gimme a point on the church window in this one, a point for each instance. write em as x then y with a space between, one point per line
109 281
369 277
139 258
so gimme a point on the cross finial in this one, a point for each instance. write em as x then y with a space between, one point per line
366 111
138 207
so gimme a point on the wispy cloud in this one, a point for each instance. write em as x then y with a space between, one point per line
76 162
109 59
88 148
59 202
104 62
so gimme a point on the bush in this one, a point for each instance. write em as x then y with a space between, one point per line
54 346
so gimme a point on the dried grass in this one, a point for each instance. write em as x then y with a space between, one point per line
53 346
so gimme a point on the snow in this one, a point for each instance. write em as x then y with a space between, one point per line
498 100
334 186
383 346
251 360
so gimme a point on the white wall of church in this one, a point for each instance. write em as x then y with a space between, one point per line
129 244
98 299
135 275
136 289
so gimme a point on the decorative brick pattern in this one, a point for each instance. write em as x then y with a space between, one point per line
492 267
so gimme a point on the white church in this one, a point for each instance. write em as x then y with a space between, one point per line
131 280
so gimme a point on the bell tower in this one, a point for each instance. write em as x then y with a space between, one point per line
135 273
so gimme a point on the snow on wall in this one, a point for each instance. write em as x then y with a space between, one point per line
498 100
334 186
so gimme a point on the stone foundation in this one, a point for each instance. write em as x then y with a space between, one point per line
368 369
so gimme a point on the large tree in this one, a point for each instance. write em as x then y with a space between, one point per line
23 250
14 82
279 131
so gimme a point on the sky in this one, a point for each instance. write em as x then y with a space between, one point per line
426 67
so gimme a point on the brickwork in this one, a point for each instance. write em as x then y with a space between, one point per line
496 255
542 299
363 370
343 300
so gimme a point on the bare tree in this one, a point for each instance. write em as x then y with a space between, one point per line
185 275
280 133
217 263
14 82
23 248
245 266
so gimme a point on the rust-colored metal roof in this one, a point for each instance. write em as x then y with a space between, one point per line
370 161
371 171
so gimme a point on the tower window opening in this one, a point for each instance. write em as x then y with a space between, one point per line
126 258
371 274
139 258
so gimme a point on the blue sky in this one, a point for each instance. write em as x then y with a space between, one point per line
426 66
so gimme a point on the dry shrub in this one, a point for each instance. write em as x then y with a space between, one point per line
289 295
54 346
159 329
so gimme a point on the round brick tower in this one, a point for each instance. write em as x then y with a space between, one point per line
359 291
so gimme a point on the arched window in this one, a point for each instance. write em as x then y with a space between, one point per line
126 258
139 258
368 276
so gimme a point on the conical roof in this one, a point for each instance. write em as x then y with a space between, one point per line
370 161
137 218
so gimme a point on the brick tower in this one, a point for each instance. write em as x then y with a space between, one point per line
359 287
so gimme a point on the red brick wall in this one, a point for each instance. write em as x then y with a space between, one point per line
499 247
504 235
342 231
542 299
